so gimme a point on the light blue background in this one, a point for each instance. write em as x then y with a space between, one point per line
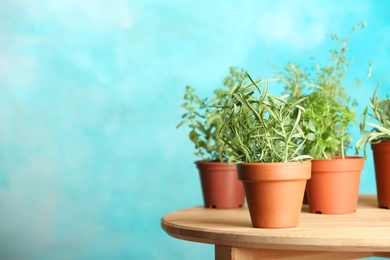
90 159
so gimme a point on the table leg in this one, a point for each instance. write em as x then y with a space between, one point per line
234 253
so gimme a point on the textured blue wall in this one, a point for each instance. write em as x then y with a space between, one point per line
90 159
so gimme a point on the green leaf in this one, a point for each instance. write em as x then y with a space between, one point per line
194 136
181 124
311 126
310 137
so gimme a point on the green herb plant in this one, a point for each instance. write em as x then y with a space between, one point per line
205 119
260 127
328 108
380 130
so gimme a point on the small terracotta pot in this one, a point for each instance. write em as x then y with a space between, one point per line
220 186
381 152
274 192
334 185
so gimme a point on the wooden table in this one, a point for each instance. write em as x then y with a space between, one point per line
364 233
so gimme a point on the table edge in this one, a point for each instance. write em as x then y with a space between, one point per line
241 240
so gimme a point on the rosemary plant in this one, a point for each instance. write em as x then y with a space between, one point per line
264 128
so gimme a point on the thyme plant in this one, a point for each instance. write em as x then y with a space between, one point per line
329 110
380 130
264 128
204 118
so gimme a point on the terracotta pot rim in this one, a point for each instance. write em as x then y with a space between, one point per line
212 162
349 164
383 146
338 158
275 164
209 164
381 140
274 171
216 166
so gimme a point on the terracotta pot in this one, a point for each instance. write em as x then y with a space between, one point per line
334 185
274 192
220 186
381 153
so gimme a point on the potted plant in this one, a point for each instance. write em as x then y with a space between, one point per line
334 184
218 177
379 138
265 139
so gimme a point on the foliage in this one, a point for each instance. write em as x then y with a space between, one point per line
329 112
205 119
324 123
264 128
381 129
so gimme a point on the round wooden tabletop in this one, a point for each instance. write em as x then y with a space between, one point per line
366 230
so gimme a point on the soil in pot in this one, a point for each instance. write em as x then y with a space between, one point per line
221 188
274 192
381 152
334 185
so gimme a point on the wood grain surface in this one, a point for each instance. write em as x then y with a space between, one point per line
366 230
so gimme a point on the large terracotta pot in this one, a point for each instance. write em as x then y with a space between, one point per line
274 192
220 186
381 153
334 185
